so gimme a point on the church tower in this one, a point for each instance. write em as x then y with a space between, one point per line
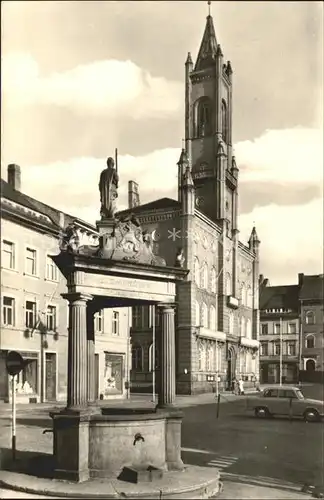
208 131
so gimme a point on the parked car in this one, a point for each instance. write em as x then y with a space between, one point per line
285 400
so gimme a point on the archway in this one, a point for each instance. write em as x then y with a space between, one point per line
310 365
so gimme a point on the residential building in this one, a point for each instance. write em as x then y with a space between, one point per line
34 316
279 333
312 320
217 309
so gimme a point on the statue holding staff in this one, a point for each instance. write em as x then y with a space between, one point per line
108 186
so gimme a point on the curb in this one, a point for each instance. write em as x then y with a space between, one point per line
266 482
207 487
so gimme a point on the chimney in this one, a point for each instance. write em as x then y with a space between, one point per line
14 176
261 278
300 279
133 194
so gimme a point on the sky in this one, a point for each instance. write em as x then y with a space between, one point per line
82 78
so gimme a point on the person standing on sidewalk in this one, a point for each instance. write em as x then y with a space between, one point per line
241 387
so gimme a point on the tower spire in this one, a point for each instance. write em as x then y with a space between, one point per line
208 48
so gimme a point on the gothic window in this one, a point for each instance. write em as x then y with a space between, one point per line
224 122
204 276
198 319
204 314
249 297
228 284
213 280
204 117
242 326
248 329
310 341
209 358
243 294
310 317
201 357
196 271
212 323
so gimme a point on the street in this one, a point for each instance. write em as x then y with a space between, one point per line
241 444
236 443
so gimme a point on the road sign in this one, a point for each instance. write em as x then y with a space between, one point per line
14 363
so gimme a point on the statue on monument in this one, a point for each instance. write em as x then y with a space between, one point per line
108 186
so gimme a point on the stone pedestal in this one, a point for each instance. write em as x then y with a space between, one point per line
173 441
71 445
167 386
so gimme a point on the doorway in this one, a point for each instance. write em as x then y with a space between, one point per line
310 365
50 376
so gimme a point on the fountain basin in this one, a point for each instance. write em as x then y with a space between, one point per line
102 443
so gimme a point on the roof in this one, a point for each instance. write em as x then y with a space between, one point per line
312 287
279 297
208 48
160 204
7 191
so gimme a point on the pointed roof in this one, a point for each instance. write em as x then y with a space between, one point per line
183 158
254 237
189 59
208 48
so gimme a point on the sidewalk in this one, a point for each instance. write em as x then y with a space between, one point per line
232 490
135 399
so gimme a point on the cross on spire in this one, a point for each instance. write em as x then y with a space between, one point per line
209 4
183 143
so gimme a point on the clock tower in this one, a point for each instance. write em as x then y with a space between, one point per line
208 131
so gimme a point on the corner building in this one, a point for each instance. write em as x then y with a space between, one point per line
34 316
217 309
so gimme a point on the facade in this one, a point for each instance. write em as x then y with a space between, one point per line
279 333
312 320
34 316
291 330
217 309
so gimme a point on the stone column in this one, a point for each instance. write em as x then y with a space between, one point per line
77 373
92 397
167 390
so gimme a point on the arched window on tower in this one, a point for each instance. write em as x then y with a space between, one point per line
203 117
224 122
310 342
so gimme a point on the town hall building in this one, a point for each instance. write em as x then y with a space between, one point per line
217 309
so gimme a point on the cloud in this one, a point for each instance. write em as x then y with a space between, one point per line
291 239
290 229
291 156
119 88
72 186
